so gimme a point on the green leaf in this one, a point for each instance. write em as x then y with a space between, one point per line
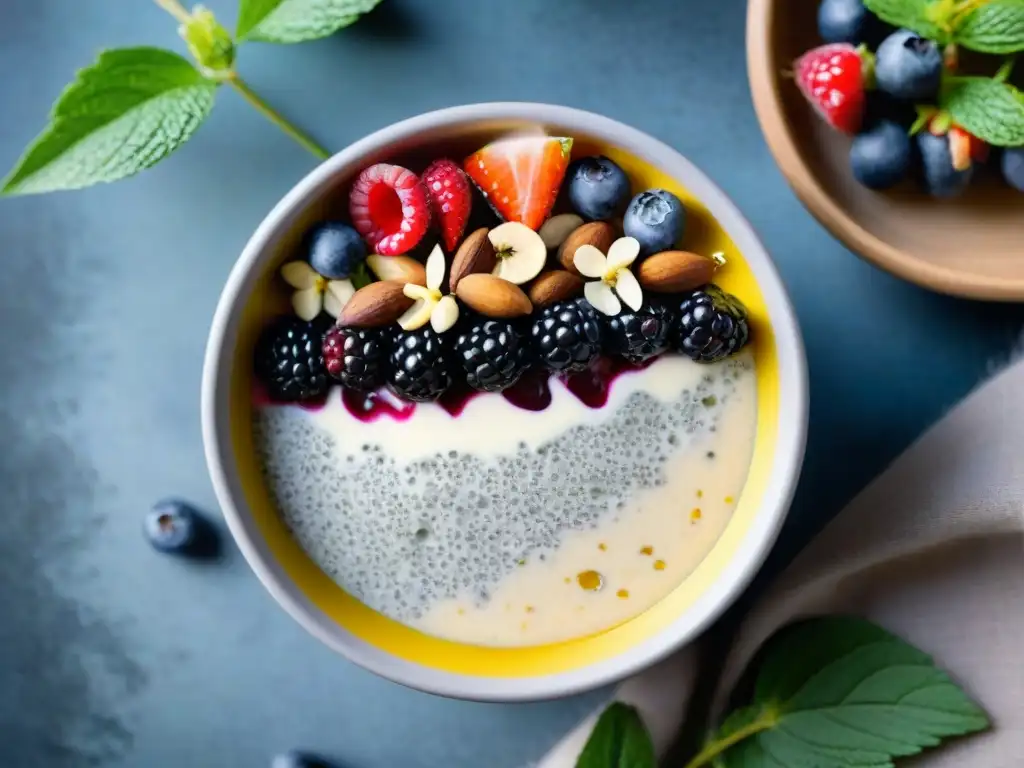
360 276
992 111
844 693
996 27
912 14
292 21
126 112
619 740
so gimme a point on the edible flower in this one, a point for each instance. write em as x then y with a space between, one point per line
442 312
614 279
314 292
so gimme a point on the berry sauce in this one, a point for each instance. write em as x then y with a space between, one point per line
261 398
531 393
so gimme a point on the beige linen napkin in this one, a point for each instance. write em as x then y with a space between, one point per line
932 550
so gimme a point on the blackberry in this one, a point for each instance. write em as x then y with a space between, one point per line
711 325
493 353
420 366
358 357
289 360
567 336
638 336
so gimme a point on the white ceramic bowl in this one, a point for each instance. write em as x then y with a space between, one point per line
504 674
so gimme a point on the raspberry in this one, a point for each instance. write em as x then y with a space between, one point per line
289 360
711 325
357 357
493 353
638 336
420 367
567 336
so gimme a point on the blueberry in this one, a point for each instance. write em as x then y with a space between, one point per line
598 188
295 759
178 527
941 179
1013 167
908 66
881 156
656 218
842 21
335 250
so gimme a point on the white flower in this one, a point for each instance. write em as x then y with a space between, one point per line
615 281
314 292
440 311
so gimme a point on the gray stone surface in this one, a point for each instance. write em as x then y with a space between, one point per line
113 656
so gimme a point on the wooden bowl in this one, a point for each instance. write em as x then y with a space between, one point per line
972 246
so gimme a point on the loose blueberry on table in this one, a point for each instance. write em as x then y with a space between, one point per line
496 310
177 527
876 87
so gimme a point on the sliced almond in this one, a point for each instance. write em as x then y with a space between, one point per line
402 269
493 297
555 230
520 251
445 314
476 254
555 286
675 271
599 234
417 315
375 305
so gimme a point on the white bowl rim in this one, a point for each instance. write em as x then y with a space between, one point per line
758 539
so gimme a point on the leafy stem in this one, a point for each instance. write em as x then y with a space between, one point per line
275 117
765 720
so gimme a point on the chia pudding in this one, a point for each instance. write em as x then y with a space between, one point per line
533 433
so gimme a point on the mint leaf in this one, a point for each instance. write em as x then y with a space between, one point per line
360 276
843 692
619 740
995 27
991 110
126 112
912 14
292 21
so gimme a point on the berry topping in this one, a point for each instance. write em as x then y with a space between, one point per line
289 360
314 293
520 176
177 527
846 21
637 336
941 178
493 353
567 335
357 357
420 368
881 157
831 77
965 148
598 188
389 207
335 250
614 279
656 218
710 326
451 199
1012 165
908 66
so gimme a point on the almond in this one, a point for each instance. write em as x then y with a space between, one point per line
376 305
675 271
493 297
599 234
401 269
555 286
475 255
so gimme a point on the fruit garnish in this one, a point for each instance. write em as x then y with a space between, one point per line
598 188
289 360
614 279
639 336
421 366
389 208
1012 166
335 250
520 176
555 230
657 219
566 336
451 199
177 527
519 250
314 292
357 357
965 148
442 312
831 77
711 325
493 353
881 156
908 66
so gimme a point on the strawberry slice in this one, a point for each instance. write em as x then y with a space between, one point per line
451 199
389 208
965 148
831 77
520 176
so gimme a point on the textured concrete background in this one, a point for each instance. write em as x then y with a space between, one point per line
113 656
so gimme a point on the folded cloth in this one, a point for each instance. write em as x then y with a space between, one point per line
932 550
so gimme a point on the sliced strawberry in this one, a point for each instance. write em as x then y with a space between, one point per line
831 77
451 199
520 176
389 208
966 148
